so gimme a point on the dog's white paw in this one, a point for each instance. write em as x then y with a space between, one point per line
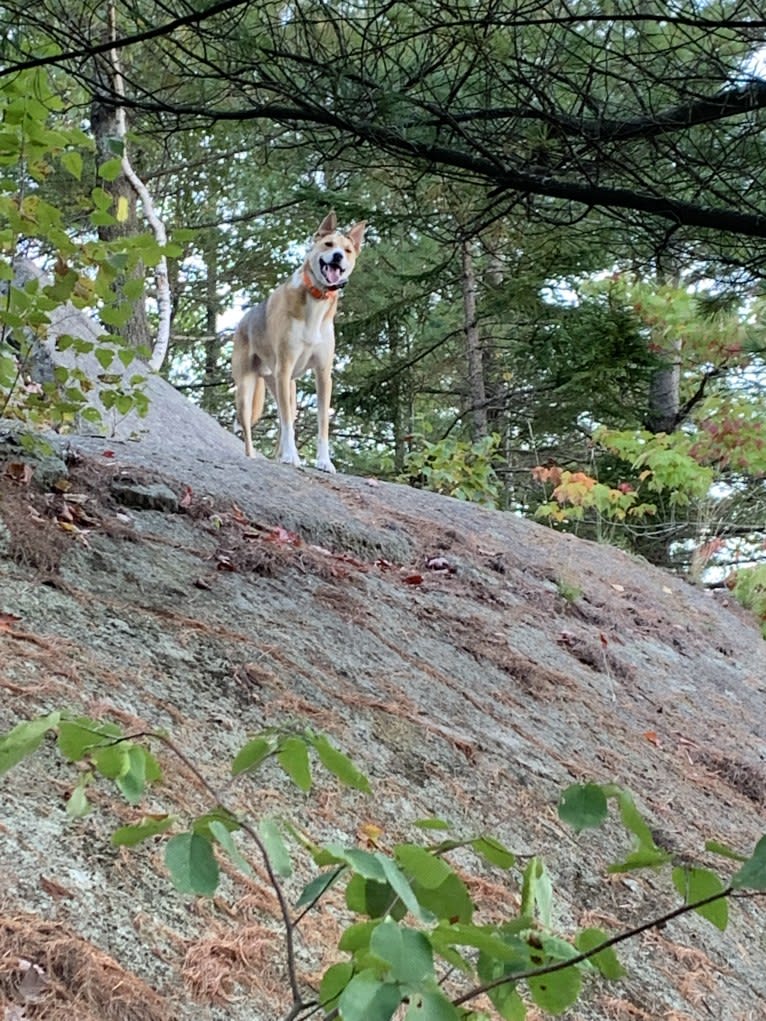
324 464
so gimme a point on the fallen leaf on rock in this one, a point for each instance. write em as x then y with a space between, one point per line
413 579
7 620
370 834
19 472
54 889
651 737
107 453
618 588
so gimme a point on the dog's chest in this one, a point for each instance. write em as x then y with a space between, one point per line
311 332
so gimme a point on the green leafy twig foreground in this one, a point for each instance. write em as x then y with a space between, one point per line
413 944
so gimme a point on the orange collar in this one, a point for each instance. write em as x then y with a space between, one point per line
314 291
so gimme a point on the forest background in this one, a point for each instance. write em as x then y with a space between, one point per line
559 309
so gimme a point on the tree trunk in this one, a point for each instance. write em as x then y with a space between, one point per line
665 392
212 341
105 129
477 395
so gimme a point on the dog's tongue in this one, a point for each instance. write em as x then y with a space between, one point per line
332 273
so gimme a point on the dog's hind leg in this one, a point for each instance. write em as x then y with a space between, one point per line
246 400
258 398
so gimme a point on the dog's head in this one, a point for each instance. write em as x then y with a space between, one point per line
333 254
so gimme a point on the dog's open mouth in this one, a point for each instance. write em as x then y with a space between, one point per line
331 272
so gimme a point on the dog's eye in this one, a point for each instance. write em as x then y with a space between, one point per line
328 244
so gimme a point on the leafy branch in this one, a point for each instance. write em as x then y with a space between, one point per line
391 962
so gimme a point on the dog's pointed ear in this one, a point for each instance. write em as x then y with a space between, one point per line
328 225
356 234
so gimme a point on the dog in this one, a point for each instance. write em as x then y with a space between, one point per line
291 332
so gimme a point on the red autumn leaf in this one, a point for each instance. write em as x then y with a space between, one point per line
107 453
413 579
651 736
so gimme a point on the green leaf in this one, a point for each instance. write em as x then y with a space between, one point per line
421 865
723 849
556 991
363 862
403 890
104 356
494 852
366 998
79 736
509 950
368 897
357 936
338 764
643 858
432 824
132 783
293 757
253 754
752 875
201 824
406 951
334 981
605 960
24 739
537 891
431 1005
150 826
111 169
275 848
192 865
633 820
225 839
71 161
78 805
450 901
113 761
508 1002
696 884
314 890
583 806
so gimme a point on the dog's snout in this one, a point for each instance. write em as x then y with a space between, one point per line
337 258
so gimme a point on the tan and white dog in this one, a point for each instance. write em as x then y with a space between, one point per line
291 332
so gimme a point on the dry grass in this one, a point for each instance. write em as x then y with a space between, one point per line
48 973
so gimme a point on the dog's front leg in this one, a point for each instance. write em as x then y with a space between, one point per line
324 394
284 391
